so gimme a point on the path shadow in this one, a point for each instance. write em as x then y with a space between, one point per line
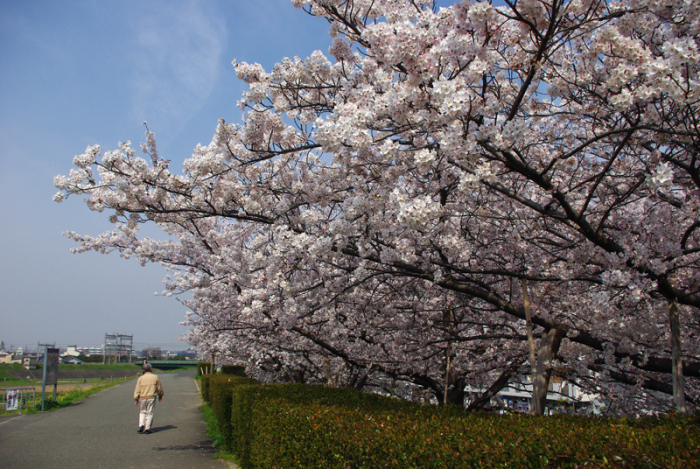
205 446
163 428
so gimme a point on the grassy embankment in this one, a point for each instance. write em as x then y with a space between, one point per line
69 390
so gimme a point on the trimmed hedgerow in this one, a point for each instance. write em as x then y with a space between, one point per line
257 432
318 436
314 427
216 390
204 387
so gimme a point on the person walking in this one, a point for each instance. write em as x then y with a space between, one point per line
147 388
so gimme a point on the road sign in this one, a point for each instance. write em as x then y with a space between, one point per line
12 399
51 364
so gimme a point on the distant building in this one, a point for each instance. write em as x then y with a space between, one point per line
71 360
71 351
561 395
9 358
29 361
75 350
87 351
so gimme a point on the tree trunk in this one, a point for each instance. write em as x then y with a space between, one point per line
455 394
549 347
677 367
500 383
448 318
531 345
327 372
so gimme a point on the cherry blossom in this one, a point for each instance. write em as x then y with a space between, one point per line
374 216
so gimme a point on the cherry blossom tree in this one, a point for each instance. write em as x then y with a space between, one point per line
377 214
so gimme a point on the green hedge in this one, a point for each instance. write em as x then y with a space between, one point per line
261 437
210 382
204 389
216 390
296 426
299 426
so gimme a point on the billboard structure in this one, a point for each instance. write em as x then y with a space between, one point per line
50 372
116 346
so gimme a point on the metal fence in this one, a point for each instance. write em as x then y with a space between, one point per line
17 398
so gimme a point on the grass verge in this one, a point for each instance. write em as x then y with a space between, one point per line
65 399
214 433
75 395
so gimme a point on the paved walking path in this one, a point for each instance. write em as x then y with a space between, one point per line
100 432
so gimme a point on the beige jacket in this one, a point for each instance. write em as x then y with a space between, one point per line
148 387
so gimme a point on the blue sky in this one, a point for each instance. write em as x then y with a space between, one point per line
79 73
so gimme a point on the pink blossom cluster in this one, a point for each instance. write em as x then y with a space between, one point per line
379 213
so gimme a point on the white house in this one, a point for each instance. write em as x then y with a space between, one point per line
71 351
561 395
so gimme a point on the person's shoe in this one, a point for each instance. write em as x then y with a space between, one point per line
147 431
141 429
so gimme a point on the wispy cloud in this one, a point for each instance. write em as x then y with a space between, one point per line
177 59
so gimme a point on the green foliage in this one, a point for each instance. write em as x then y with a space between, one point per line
216 390
50 405
242 400
91 358
204 387
253 429
316 427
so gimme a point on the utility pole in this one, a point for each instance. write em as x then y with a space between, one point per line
40 347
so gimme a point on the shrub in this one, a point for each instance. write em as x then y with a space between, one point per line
314 435
315 427
255 432
204 389
216 390
50 404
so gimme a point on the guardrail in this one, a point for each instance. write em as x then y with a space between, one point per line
166 364
16 398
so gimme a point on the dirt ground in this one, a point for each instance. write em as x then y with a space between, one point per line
63 387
